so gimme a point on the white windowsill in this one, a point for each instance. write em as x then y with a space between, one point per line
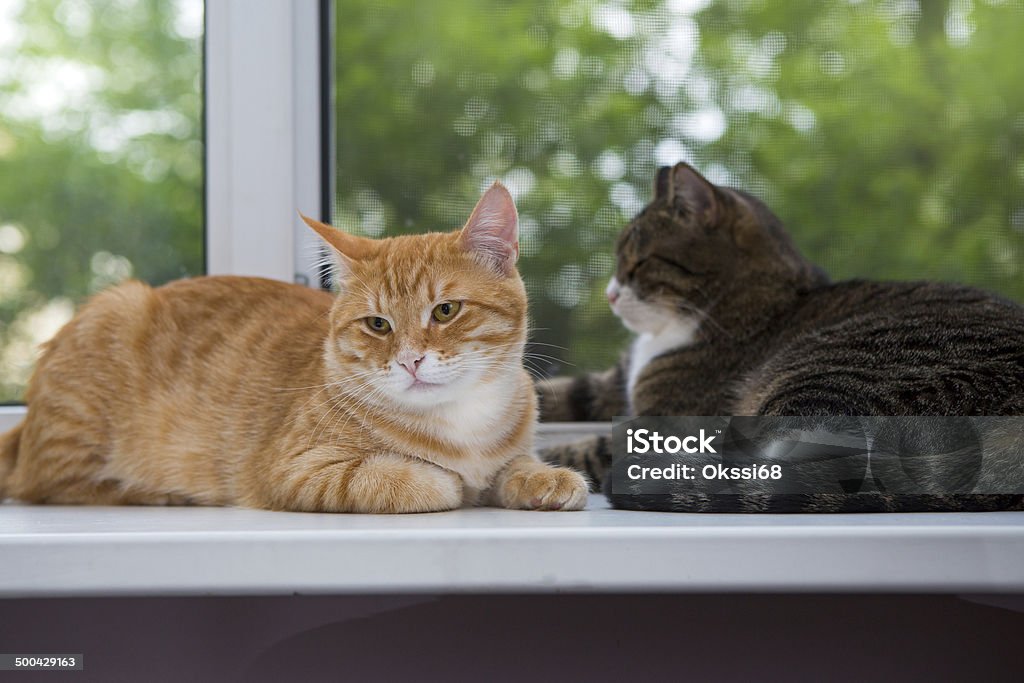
61 551
73 551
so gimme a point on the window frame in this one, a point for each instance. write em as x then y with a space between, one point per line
264 124
263 116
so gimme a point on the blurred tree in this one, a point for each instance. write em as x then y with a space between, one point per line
887 134
100 158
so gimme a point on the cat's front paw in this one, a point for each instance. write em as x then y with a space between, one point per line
549 488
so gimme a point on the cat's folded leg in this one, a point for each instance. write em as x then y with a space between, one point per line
324 480
528 484
592 397
553 399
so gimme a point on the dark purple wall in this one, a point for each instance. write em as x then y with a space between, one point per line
521 638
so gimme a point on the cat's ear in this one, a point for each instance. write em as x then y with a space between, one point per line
492 231
347 248
690 191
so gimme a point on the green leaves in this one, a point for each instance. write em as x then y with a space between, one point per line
884 134
888 136
100 159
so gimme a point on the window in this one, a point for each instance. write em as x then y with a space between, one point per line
101 159
888 135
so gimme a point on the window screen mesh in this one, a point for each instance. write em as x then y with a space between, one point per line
101 159
886 134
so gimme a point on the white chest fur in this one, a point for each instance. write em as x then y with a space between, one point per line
478 416
476 422
649 346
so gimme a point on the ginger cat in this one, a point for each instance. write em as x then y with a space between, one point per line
404 393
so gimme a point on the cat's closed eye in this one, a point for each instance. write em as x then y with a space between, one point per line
632 272
677 265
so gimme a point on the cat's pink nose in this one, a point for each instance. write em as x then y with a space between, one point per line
612 290
411 362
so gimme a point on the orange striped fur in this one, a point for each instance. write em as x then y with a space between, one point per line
250 392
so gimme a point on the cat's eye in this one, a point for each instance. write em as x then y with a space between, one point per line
378 324
446 311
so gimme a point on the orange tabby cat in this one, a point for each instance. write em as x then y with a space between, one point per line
404 393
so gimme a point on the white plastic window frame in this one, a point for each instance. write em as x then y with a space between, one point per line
264 161
263 137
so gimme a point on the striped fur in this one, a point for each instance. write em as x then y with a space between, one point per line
775 337
250 392
594 397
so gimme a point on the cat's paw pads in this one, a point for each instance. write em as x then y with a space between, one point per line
548 489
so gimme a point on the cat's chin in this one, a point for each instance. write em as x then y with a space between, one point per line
637 317
420 386
420 394
643 319
644 326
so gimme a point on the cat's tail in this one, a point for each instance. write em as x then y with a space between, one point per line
9 445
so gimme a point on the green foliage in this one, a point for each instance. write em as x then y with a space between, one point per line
100 161
912 168
888 136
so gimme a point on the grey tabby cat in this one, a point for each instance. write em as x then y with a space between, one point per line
731 319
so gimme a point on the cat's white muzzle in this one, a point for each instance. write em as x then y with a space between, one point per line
435 381
637 315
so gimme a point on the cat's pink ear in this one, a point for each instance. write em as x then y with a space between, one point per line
687 189
346 247
492 231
